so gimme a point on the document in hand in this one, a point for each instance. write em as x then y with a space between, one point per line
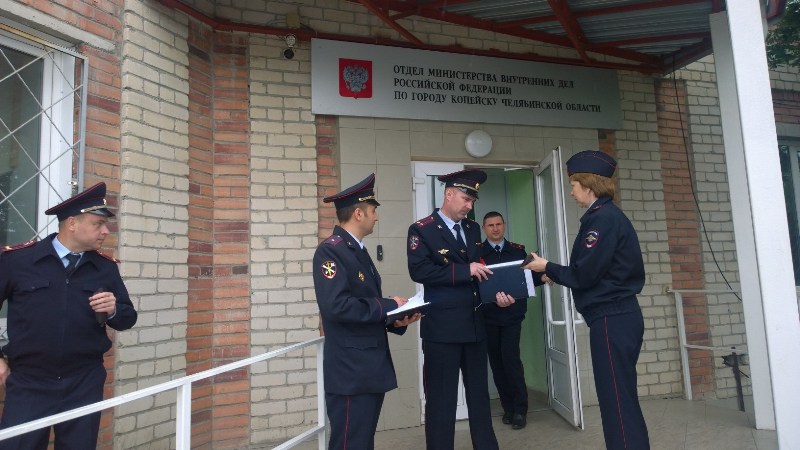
507 277
415 304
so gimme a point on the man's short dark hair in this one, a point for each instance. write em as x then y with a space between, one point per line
346 213
491 214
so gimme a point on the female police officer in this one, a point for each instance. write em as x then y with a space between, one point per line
605 273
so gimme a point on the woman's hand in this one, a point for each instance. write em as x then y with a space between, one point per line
538 264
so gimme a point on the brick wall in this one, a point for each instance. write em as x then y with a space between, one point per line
683 228
154 241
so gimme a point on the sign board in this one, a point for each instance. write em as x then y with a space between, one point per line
350 79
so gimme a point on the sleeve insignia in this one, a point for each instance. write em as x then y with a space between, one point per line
361 276
413 242
591 239
9 248
329 269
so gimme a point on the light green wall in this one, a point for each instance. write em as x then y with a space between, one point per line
510 192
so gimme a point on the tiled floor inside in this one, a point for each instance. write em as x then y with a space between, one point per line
673 424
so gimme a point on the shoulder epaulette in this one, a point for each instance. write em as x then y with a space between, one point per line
333 240
467 219
515 245
11 248
426 221
110 258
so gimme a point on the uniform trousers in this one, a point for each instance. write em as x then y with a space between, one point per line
507 370
353 419
30 397
616 341
440 379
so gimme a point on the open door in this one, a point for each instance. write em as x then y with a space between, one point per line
562 360
429 194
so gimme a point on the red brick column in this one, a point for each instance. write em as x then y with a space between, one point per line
201 236
218 330
683 228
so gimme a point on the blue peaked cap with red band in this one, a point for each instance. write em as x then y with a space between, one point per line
591 161
92 200
467 181
363 191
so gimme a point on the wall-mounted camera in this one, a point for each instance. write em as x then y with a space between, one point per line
291 41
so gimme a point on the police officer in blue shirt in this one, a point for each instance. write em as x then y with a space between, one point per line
605 273
61 293
357 365
504 326
444 256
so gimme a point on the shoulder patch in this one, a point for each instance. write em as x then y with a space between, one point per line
110 258
426 221
11 248
333 240
515 245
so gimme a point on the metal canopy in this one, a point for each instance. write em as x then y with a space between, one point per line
643 35
648 36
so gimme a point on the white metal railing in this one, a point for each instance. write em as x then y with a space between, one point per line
678 294
183 431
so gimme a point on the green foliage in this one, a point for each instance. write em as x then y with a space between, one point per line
783 41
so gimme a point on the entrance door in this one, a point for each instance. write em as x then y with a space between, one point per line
428 194
565 393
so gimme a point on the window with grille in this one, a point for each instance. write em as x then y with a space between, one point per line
41 119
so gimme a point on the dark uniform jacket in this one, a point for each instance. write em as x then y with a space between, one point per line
435 261
606 269
52 330
515 313
348 287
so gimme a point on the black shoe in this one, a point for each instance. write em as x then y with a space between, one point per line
518 422
507 418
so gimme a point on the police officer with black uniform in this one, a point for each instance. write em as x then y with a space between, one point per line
61 293
444 251
357 365
605 273
504 326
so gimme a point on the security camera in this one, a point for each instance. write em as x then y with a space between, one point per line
291 40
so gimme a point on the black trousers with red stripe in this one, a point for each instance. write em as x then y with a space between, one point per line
353 419
616 341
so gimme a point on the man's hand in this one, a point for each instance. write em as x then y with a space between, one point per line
538 264
103 302
5 371
546 279
407 320
504 300
400 300
479 271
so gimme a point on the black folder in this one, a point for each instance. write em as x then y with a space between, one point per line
415 304
507 277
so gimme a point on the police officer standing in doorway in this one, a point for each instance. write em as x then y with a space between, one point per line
443 255
504 326
61 293
357 365
605 273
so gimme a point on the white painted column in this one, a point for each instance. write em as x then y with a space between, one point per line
743 222
759 216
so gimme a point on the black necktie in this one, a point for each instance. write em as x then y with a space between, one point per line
73 261
497 249
371 265
460 240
